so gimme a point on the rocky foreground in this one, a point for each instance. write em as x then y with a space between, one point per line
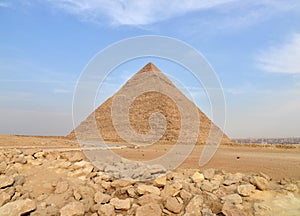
34 182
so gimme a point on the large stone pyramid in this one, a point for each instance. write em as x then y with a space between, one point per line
140 111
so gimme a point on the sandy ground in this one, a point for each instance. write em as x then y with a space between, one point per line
275 162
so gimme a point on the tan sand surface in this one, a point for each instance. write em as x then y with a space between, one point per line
278 162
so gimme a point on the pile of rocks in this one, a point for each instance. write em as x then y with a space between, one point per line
132 170
51 183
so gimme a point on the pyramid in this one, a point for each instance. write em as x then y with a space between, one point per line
140 111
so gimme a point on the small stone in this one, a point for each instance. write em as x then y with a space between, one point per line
208 186
197 177
160 181
173 205
185 195
156 169
3 166
207 212
19 180
194 207
81 164
106 185
72 209
121 183
209 173
132 192
4 198
151 209
149 198
171 189
6 181
232 198
61 187
265 176
18 207
101 197
291 187
52 210
78 156
20 159
261 209
245 190
231 210
232 178
39 154
144 189
166 212
77 195
260 182
120 204
107 210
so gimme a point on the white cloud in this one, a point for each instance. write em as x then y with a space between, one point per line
137 13
61 91
283 58
128 12
4 4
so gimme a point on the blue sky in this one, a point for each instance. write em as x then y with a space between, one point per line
253 46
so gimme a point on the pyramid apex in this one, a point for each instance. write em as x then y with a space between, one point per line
149 67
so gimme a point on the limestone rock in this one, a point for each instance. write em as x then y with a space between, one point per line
6 181
77 195
101 197
291 187
151 209
265 176
209 186
131 191
120 204
107 210
143 189
232 178
260 182
3 166
171 189
173 205
231 210
61 187
197 177
232 198
4 198
156 169
78 156
160 181
194 207
19 180
121 183
261 209
245 190
20 159
209 173
18 208
149 198
72 209
185 195
39 154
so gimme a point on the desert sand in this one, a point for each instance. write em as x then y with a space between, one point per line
51 176
278 161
